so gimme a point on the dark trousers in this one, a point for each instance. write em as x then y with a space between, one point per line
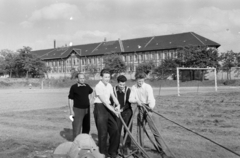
126 115
81 122
143 118
106 124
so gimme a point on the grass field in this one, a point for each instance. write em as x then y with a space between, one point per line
31 132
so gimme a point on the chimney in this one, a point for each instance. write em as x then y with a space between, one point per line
54 44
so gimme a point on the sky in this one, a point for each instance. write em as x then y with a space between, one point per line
37 23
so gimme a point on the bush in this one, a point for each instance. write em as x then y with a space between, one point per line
229 82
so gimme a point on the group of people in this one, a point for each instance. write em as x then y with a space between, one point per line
109 103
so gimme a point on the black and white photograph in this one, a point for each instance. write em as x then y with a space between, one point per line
119 79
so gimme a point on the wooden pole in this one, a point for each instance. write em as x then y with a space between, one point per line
178 90
215 73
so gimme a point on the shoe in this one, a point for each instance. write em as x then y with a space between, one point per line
116 156
113 156
124 151
129 151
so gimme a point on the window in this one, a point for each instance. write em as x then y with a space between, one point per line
135 57
146 56
157 55
127 58
165 54
130 58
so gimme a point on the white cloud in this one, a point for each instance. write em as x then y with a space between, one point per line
78 38
26 24
56 11
93 6
234 17
126 19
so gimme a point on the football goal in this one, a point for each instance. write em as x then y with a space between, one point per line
184 68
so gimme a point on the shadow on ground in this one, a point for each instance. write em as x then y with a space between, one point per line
66 133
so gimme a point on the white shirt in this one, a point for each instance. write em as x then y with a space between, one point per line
144 94
105 90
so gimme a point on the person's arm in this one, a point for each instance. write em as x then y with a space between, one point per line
133 97
115 100
104 101
70 104
91 95
127 99
70 101
151 99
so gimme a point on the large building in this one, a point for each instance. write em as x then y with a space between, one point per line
134 51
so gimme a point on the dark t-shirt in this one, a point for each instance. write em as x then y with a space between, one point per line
79 95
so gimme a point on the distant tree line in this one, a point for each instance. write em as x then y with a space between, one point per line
189 56
21 63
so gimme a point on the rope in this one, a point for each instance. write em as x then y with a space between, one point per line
196 133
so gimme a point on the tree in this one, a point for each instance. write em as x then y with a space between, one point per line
229 60
198 57
146 67
8 61
74 73
114 63
91 69
166 69
25 60
39 68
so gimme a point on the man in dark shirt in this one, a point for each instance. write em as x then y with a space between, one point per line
79 105
122 93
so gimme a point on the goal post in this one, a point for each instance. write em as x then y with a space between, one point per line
185 68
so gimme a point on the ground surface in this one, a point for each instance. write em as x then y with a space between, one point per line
34 121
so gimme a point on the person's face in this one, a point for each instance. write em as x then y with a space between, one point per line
121 85
105 78
81 78
140 82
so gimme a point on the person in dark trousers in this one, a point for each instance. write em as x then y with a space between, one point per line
79 105
104 114
122 92
142 95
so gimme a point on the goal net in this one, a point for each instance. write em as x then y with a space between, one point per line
181 69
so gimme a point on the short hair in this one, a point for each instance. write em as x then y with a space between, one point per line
121 78
104 71
140 75
80 74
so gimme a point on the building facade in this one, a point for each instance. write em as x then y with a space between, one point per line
133 51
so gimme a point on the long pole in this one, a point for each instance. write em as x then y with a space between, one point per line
215 73
178 90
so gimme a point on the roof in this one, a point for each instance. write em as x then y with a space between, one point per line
40 53
153 43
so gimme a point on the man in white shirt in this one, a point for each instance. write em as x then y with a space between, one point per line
104 115
142 94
